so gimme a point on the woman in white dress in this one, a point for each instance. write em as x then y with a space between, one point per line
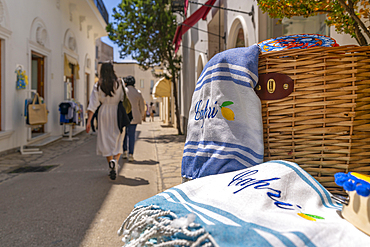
108 91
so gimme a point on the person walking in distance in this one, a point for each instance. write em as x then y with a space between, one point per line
151 111
108 91
138 111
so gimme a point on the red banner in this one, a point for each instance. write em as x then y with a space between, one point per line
201 13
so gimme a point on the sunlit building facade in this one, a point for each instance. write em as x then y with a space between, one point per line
53 42
231 24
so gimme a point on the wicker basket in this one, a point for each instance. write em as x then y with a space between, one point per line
324 125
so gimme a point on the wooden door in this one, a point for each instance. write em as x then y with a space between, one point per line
38 74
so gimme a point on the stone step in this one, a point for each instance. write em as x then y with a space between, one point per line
44 141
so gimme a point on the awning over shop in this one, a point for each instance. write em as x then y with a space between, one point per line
162 88
201 13
67 70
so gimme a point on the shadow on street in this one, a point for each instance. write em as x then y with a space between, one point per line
144 162
164 139
131 181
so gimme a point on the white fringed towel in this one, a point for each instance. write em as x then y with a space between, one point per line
225 131
275 203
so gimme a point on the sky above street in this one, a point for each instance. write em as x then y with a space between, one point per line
109 5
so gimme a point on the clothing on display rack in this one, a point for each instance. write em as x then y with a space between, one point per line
71 112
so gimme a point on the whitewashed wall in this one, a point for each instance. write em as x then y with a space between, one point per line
18 31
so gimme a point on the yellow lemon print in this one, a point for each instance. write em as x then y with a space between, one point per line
227 113
306 217
310 217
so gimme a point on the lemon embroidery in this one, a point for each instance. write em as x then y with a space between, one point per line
310 217
227 113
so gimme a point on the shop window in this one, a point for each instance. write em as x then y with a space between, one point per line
71 79
71 75
151 86
297 25
301 25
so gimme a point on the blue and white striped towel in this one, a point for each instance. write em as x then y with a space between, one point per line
225 131
275 203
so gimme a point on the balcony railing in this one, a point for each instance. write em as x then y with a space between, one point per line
177 6
103 11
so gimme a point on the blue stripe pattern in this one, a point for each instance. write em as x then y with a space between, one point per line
245 235
197 168
228 215
224 144
304 238
208 164
237 137
304 178
244 82
212 151
244 57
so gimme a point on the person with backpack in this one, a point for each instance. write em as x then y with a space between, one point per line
108 92
138 112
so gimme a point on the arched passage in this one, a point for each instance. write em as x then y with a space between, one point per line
71 65
238 35
200 64
39 51
87 80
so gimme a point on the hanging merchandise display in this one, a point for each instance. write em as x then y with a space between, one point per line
22 79
71 112
37 113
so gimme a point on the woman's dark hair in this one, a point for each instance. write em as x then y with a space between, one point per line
108 79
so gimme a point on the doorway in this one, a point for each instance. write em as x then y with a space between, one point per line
71 79
37 84
0 84
87 95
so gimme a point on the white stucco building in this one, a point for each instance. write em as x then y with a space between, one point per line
53 41
239 24
103 53
144 79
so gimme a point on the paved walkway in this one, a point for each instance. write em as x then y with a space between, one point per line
81 206
168 145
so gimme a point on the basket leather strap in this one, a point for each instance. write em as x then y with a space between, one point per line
274 86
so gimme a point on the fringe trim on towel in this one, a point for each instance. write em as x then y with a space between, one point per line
151 226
